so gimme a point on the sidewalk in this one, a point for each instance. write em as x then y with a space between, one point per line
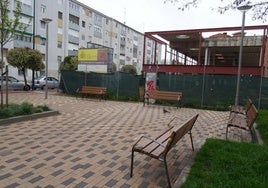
89 143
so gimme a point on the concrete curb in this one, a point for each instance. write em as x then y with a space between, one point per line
28 117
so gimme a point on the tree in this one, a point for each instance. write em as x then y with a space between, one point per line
9 26
259 7
69 63
34 62
24 58
129 69
114 67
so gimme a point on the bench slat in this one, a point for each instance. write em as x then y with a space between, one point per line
94 90
242 109
159 145
154 149
163 95
243 121
147 146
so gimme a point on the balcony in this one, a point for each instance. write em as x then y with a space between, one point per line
73 39
74 26
22 44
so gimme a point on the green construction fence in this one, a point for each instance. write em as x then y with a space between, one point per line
199 90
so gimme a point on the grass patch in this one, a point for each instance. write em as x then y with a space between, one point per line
24 108
262 126
221 163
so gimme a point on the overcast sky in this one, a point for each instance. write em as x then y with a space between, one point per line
154 15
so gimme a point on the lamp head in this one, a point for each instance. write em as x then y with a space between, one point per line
244 8
47 20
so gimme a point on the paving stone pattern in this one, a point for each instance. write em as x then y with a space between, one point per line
89 143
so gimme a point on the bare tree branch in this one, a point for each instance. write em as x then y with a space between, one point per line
259 7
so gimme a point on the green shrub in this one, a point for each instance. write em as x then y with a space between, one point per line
43 107
24 108
27 108
5 113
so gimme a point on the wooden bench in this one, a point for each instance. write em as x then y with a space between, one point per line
242 109
92 90
160 144
163 95
243 121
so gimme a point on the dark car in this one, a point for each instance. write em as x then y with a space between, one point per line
14 84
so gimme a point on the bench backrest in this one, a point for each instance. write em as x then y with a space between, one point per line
248 105
179 131
90 88
165 94
251 115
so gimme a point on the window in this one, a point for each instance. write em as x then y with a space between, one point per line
83 37
60 15
20 72
59 59
25 38
17 37
74 19
43 41
43 8
135 51
123 32
97 32
43 24
83 24
98 20
59 44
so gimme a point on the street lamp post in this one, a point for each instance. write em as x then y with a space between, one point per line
243 9
46 20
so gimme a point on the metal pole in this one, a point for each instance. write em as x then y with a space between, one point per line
46 59
240 60
259 101
46 20
244 10
33 42
204 75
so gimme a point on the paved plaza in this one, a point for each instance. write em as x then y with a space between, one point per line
89 143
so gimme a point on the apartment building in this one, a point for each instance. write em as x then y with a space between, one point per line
73 26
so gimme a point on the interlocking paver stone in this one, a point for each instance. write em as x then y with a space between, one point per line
89 143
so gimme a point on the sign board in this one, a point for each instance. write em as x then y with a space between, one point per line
150 83
100 68
93 55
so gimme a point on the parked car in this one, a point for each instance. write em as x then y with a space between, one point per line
52 82
14 84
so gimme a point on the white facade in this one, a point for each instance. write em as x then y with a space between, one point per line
73 26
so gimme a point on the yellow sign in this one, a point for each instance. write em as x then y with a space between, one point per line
88 55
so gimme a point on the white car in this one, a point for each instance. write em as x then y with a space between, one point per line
14 84
52 82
